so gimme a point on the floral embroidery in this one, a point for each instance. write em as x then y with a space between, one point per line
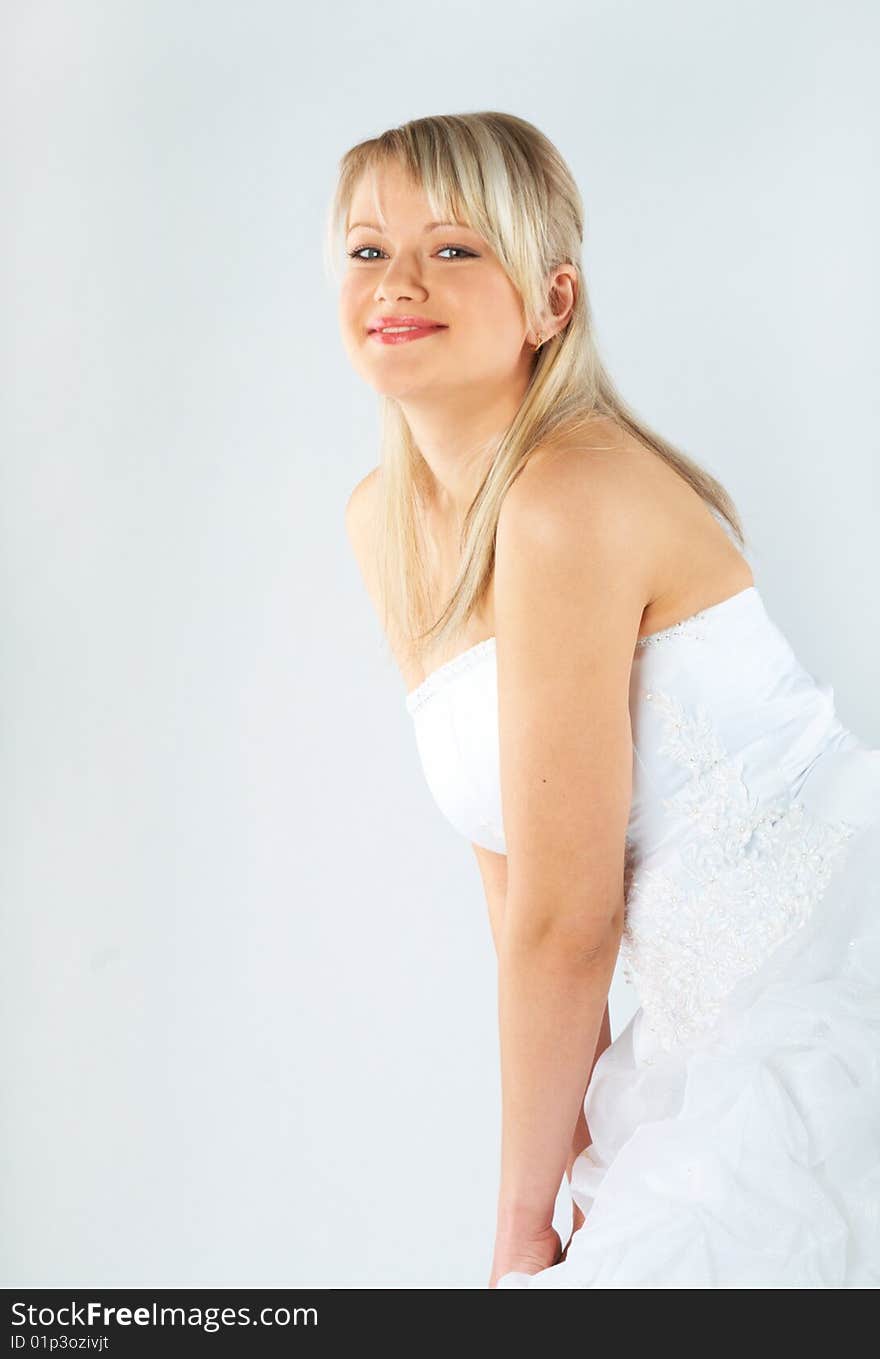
750 875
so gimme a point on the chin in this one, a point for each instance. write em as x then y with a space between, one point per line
400 391
399 385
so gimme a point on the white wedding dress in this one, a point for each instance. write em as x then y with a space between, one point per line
735 1120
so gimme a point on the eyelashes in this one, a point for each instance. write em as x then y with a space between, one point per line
357 254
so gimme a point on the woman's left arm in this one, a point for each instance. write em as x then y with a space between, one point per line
572 579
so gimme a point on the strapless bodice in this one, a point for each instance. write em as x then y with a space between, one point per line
746 788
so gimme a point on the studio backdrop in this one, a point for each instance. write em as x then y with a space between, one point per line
248 982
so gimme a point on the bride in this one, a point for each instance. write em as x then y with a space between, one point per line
604 707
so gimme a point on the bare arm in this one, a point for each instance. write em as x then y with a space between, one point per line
572 578
493 871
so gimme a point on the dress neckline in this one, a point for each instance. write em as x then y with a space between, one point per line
482 650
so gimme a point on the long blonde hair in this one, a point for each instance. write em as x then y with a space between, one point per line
503 177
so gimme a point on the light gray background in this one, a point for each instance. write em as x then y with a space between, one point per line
248 982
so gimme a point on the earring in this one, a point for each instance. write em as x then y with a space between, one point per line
539 344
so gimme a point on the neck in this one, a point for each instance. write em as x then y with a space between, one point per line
458 440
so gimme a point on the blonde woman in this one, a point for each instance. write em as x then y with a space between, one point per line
605 709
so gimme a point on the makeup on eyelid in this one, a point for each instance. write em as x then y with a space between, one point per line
356 253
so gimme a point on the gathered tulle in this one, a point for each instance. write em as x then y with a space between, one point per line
748 1156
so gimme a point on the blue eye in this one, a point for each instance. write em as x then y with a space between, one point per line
357 254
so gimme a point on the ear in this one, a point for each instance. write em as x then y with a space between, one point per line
563 295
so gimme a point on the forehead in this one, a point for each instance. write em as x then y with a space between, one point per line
386 194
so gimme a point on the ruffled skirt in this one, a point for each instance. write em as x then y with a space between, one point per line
750 1156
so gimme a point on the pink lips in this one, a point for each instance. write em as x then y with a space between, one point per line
423 326
423 322
404 336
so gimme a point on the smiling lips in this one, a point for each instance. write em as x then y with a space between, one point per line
401 329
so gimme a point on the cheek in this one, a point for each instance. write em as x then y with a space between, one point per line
495 304
506 304
349 301
493 326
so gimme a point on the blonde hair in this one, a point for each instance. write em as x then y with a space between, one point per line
500 175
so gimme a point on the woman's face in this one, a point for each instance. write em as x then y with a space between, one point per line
445 274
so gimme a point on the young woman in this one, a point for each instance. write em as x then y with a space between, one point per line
604 707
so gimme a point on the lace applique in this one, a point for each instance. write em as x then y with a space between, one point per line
750 876
445 672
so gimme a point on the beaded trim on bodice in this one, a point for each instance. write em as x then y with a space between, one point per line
463 661
686 627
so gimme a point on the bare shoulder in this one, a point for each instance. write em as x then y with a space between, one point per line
605 462
360 526
360 512
615 499
594 495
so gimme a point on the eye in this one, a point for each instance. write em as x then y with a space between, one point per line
358 253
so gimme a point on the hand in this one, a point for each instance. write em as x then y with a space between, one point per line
525 1252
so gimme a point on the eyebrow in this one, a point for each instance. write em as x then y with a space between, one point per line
430 226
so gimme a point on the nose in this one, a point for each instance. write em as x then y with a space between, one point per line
400 280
